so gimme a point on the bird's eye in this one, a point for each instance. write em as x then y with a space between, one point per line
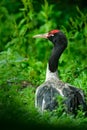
52 35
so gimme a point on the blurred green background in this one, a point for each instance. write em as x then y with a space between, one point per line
23 59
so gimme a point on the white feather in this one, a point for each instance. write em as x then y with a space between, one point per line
51 75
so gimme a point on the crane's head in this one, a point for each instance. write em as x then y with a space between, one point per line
55 36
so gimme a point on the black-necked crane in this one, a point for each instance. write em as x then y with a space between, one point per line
46 93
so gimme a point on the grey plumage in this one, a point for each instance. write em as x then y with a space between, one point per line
46 96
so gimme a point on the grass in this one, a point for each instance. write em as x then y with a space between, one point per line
17 111
23 62
19 79
17 94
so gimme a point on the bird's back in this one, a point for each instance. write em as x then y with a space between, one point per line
47 96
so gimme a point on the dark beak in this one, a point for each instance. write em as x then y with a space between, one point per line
41 36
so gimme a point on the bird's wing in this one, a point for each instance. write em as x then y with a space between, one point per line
45 97
75 98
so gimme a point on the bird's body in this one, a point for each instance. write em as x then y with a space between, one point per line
47 93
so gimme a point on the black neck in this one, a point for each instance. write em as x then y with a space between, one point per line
53 61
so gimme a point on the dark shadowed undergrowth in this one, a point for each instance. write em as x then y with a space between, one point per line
23 61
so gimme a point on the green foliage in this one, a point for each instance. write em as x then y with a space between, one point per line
23 59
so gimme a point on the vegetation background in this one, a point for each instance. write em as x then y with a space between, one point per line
23 59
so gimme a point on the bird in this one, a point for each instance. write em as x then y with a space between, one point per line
46 94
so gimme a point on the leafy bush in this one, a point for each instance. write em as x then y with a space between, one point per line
23 60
